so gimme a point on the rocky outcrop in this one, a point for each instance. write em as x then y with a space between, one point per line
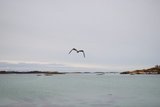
153 70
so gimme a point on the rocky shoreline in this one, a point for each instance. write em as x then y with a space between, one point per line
153 70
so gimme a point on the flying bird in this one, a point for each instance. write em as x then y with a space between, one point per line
78 51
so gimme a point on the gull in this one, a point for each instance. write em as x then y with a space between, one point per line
78 51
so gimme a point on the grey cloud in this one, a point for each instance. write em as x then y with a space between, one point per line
111 32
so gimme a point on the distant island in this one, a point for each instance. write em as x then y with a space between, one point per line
153 70
47 73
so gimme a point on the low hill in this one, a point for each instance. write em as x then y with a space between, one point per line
153 70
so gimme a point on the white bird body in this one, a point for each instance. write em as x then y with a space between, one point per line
78 51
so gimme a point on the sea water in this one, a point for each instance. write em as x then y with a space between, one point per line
79 90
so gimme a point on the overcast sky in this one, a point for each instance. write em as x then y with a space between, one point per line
113 33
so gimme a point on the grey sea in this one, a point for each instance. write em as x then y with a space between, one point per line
79 90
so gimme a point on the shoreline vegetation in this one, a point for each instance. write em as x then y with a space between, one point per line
153 70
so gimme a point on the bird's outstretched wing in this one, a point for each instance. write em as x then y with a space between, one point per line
82 52
72 50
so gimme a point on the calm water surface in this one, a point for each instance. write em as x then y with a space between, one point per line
79 90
